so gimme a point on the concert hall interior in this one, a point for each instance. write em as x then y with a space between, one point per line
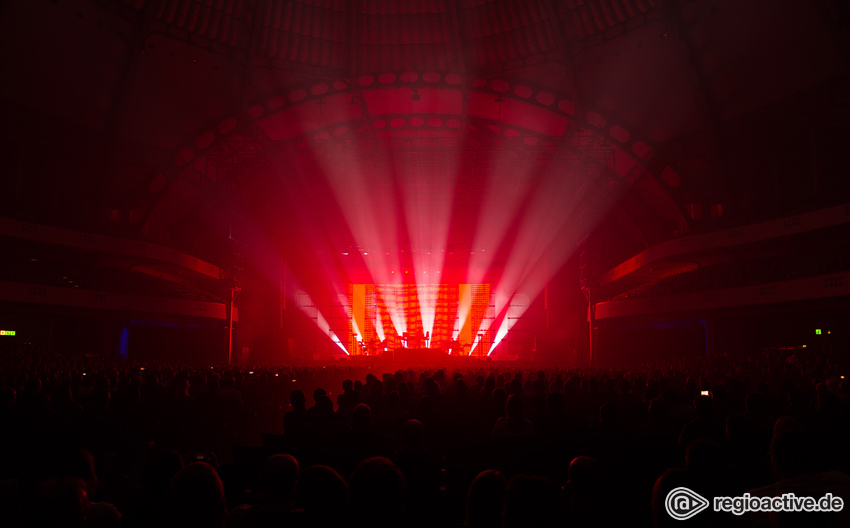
511 179
589 186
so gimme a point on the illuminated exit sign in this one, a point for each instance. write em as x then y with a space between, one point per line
7 332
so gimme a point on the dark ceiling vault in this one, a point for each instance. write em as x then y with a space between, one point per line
149 116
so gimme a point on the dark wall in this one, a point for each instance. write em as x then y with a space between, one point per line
624 344
179 345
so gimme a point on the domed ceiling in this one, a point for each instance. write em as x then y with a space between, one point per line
508 126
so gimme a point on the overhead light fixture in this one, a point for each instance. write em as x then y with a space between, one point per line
500 99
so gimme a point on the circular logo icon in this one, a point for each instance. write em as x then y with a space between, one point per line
682 503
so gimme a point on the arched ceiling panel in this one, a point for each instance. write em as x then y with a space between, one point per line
517 113
399 100
300 119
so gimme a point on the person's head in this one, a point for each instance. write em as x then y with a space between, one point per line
324 404
486 499
786 423
8 396
159 469
377 493
587 478
361 417
181 386
195 498
58 503
608 413
703 406
738 430
297 399
278 475
672 398
667 482
323 494
424 406
432 388
76 462
791 454
376 389
499 397
514 408
657 411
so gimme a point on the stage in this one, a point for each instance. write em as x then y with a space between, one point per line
423 357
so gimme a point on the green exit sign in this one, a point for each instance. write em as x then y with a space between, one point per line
7 332
818 331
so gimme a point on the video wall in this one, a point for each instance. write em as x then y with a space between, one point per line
451 317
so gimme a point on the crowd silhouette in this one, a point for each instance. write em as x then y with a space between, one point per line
97 442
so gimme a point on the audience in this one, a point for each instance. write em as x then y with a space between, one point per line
95 442
195 498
